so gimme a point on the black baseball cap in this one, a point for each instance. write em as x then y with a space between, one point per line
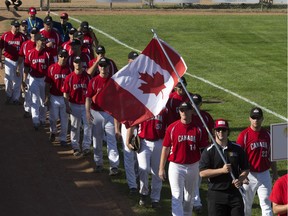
24 22
256 112
48 20
34 30
63 53
84 25
104 62
75 42
78 34
15 23
197 99
179 85
72 30
77 59
133 55
40 37
100 49
186 105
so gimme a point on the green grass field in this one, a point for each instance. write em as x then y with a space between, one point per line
246 54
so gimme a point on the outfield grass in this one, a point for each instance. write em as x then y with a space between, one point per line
246 54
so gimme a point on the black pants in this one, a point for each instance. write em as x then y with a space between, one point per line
225 203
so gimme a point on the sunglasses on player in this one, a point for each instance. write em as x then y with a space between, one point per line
221 129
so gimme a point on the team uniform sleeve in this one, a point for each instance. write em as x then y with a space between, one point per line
48 78
240 140
276 195
90 91
167 142
66 87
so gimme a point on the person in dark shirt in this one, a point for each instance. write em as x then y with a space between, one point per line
224 197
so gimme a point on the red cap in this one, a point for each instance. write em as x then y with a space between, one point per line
221 123
64 16
32 10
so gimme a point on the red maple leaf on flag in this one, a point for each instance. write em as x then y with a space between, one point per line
153 84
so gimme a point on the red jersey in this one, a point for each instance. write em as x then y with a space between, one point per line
76 86
95 86
174 101
185 141
256 144
113 68
11 44
279 192
38 62
26 48
85 61
67 46
153 129
209 122
55 77
54 37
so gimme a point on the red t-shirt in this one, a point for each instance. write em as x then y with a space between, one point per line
38 61
185 141
256 144
11 44
279 192
67 46
76 86
95 86
55 77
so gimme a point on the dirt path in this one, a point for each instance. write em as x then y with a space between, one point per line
40 178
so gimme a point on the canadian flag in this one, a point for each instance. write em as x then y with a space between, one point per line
141 89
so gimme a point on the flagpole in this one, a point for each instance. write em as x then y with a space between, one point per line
196 108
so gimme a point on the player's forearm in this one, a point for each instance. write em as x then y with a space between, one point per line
280 209
88 104
243 176
117 126
164 156
209 173
129 134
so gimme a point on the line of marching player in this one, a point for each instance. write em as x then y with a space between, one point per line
61 68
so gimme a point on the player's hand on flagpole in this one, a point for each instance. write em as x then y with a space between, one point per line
226 168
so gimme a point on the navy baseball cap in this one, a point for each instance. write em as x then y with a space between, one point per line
133 55
77 34
24 22
63 53
84 25
72 30
40 37
75 42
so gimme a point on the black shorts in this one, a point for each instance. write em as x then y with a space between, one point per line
225 203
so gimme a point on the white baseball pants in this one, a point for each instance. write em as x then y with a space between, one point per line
12 82
27 96
130 161
78 117
57 110
197 198
183 178
103 125
149 160
37 92
262 183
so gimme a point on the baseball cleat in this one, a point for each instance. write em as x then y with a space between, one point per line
155 205
114 171
86 152
98 169
143 200
76 153
52 137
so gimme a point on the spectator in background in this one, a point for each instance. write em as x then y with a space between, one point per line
63 27
279 196
33 21
16 3
255 141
